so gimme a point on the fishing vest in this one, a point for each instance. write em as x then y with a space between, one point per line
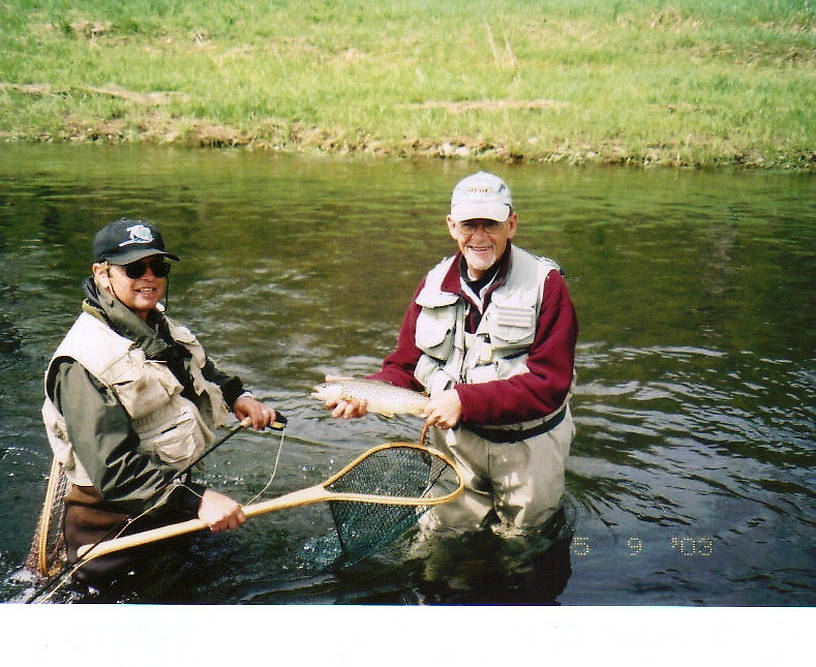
500 346
172 430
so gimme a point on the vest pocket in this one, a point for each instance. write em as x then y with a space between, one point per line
431 375
179 442
480 374
434 331
507 368
144 390
511 322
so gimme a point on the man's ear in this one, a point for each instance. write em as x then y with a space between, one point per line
452 228
101 274
512 225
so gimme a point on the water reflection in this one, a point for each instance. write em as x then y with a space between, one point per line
690 477
485 568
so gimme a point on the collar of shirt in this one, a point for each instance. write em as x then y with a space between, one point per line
456 282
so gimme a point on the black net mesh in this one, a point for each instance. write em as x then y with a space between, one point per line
365 528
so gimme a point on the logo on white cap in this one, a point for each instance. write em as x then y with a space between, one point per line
481 195
138 234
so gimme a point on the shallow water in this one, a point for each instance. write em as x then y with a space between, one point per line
690 478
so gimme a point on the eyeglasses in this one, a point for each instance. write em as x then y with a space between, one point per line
159 267
468 227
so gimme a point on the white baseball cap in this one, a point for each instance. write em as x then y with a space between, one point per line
480 195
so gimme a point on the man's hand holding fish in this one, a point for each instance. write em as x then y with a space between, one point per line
444 409
349 398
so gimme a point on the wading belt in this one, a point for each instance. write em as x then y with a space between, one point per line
507 435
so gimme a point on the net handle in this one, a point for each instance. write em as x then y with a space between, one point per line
38 556
313 494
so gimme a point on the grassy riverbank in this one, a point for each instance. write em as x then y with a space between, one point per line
675 82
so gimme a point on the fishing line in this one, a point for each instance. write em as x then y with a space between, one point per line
296 438
274 469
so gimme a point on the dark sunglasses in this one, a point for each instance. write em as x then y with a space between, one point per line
159 267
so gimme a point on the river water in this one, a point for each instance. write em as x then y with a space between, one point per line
690 481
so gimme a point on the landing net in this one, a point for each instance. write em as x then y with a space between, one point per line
48 554
406 471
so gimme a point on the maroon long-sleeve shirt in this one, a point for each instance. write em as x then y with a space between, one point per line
523 397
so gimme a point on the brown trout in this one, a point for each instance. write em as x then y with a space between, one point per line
382 398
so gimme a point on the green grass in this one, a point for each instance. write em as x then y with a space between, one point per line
683 82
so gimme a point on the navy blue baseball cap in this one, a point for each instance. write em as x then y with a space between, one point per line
127 240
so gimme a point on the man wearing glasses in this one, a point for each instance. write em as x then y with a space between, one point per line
490 335
132 399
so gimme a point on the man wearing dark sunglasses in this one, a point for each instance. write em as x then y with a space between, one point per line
132 398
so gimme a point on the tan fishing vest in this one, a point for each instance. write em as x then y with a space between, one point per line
499 348
171 429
